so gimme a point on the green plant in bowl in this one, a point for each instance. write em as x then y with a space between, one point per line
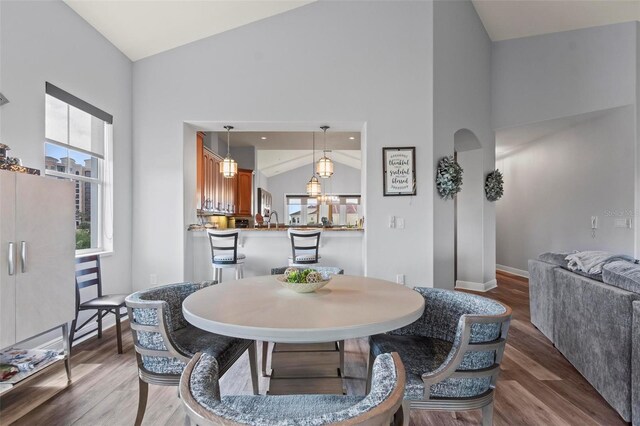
299 277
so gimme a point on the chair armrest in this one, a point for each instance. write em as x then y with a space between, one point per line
388 378
462 345
453 360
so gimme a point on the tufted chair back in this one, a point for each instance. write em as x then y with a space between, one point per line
476 326
200 394
155 314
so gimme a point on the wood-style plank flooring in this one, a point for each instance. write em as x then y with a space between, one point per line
537 386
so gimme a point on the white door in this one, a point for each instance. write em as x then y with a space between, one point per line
45 238
7 255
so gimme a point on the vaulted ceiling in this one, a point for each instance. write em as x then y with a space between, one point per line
142 28
507 19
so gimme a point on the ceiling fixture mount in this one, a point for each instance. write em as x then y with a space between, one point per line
325 165
313 186
228 167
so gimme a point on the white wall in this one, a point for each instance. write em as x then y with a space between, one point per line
372 64
555 184
47 41
470 249
245 156
563 74
462 99
345 180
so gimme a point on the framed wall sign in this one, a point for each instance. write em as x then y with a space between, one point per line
399 171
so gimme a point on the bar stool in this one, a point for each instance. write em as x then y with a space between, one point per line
224 252
305 246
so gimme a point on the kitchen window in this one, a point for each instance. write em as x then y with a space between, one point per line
78 144
338 210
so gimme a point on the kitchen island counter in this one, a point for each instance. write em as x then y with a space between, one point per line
281 228
270 248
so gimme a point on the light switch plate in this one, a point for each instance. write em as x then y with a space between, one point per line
620 223
594 222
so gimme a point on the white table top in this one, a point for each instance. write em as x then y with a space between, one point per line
259 308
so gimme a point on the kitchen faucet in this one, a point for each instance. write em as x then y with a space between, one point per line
269 221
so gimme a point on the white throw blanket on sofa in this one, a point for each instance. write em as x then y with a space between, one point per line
592 262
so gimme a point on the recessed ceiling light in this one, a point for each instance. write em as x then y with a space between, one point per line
264 138
352 137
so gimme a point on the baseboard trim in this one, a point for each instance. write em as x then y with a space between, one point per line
473 286
514 271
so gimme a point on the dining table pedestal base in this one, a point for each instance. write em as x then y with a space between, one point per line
314 368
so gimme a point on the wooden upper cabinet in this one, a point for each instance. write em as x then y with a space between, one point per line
200 170
243 192
216 193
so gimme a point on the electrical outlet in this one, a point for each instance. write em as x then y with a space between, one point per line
153 279
400 222
400 279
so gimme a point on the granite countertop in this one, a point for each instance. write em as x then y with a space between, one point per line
281 228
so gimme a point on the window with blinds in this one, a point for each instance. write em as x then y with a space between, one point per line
78 141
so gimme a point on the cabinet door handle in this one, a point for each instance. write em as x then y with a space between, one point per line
11 259
23 256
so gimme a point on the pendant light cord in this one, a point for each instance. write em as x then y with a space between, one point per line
313 154
228 136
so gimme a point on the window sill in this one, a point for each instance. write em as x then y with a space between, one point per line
89 252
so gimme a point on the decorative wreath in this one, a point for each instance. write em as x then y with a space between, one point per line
494 185
448 177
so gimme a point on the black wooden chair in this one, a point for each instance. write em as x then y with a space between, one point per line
88 275
305 247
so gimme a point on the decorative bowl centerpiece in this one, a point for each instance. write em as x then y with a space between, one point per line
302 281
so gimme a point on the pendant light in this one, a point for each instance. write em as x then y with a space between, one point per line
313 186
228 167
325 165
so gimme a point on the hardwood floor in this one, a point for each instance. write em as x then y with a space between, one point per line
537 385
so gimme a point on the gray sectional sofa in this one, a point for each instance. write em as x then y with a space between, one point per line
594 321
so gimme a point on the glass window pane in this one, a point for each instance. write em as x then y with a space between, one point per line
312 213
83 164
56 115
352 215
55 158
87 215
295 212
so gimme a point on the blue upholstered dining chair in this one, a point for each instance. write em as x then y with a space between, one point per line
200 394
452 354
325 271
165 342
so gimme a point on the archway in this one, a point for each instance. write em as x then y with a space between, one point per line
468 217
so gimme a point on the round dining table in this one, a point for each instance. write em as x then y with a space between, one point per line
260 308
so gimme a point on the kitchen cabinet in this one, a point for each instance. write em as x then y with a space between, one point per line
244 192
37 252
215 193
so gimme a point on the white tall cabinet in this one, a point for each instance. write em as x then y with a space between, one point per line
37 251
